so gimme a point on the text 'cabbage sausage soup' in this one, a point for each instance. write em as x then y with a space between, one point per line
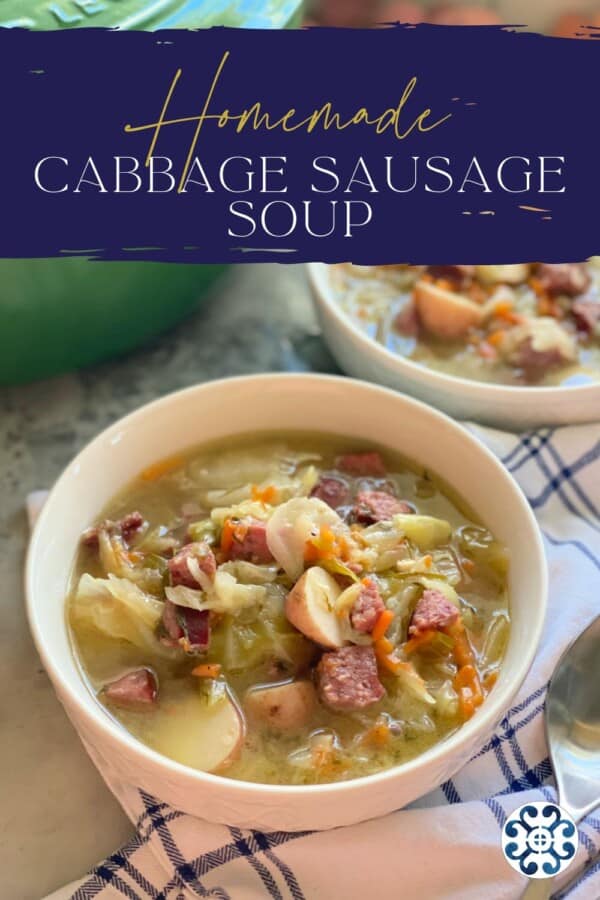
289 610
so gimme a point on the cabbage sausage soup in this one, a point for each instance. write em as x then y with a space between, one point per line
289 610
514 324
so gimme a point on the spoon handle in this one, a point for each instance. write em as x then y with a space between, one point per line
538 889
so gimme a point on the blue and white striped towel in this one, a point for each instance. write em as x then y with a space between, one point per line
447 845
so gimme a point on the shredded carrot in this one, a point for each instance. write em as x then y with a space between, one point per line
505 312
503 308
207 670
468 565
419 640
325 545
383 645
385 655
427 561
157 470
536 286
227 535
548 306
264 495
378 735
390 662
382 624
496 337
466 680
134 557
463 653
468 687
444 284
489 681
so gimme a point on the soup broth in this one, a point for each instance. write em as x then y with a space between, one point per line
289 609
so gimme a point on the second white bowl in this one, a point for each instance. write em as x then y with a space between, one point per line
505 406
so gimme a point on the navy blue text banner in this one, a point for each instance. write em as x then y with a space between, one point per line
402 144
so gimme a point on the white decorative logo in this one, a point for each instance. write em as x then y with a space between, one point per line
539 839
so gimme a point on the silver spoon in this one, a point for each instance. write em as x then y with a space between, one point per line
573 734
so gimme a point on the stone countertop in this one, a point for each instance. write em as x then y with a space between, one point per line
58 818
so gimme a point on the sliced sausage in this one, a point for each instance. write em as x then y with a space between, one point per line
362 465
432 612
135 690
189 628
348 679
564 278
456 274
587 315
171 624
179 566
196 628
367 607
127 528
250 542
333 491
376 506
537 345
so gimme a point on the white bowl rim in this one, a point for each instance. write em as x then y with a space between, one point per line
434 378
92 710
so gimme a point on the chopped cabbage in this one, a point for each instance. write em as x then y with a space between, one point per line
115 560
226 595
249 572
426 532
252 508
119 609
290 527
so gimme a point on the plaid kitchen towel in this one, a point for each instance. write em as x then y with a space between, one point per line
447 845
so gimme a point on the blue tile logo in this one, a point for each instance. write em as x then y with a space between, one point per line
539 840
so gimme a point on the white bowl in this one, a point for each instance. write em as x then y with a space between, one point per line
220 409
504 406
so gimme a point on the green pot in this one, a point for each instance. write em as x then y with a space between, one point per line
61 314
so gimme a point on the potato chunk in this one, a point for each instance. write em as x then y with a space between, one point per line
516 273
310 607
282 707
203 737
444 313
